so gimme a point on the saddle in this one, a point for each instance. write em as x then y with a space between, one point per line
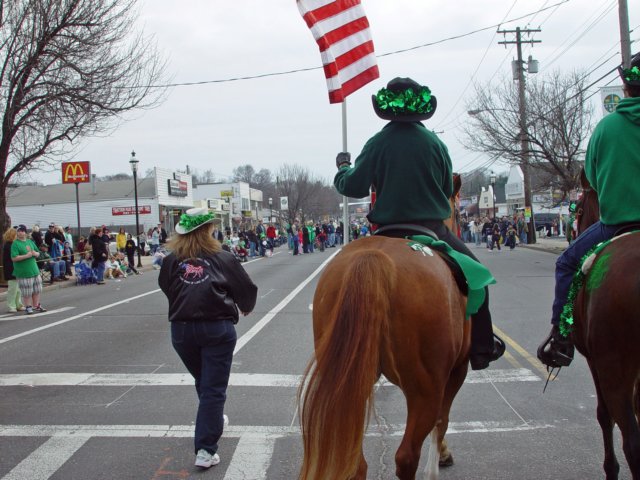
425 240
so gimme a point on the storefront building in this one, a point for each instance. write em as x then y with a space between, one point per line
161 199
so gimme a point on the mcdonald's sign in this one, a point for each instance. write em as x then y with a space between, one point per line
76 172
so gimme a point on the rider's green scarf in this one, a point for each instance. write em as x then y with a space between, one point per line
477 275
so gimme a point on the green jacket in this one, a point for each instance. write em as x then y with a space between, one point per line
410 168
612 163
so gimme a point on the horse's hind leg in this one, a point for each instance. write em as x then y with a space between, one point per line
610 465
421 418
453 386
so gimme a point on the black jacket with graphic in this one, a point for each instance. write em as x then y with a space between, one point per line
206 288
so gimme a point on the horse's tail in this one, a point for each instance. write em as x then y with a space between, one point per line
336 394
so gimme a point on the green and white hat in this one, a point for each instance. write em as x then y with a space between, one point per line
195 218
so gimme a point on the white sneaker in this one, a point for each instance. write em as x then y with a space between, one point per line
205 460
225 420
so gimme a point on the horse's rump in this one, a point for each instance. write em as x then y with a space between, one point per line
380 307
607 308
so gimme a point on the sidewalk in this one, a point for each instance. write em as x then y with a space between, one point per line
146 266
549 244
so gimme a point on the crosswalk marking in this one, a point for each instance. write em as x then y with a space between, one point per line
236 380
237 431
46 459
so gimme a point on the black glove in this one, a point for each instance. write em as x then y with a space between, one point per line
343 159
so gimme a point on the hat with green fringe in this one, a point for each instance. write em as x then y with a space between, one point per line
631 76
195 218
404 100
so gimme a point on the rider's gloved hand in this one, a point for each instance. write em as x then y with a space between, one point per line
343 159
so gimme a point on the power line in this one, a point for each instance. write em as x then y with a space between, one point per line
395 52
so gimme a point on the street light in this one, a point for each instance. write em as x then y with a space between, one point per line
134 169
493 193
270 209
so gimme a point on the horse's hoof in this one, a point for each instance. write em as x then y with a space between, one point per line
446 460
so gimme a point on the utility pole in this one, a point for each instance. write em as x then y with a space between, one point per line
625 40
524 138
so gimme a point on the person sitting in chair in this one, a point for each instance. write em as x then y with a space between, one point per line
58 268
612 158
410 169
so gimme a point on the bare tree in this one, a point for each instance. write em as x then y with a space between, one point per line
244 173
558 121
69 69
302 190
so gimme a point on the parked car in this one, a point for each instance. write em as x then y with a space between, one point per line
545 221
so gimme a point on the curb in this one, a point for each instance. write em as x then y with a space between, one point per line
47 287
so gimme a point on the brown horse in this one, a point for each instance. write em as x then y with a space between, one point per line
381 308
607 332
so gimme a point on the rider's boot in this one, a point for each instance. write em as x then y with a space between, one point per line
480 361
486 346
556 350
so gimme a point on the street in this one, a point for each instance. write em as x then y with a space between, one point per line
92 389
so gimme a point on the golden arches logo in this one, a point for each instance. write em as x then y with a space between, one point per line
75 172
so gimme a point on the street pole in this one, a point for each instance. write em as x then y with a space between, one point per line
625 40
78 210
524 141
134 168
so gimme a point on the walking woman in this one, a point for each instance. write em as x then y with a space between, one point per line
207 288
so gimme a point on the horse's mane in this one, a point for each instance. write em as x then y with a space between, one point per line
587 207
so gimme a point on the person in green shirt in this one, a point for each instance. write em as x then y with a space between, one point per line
23 255
410 169
611 163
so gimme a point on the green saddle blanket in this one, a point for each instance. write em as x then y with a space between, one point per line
477 275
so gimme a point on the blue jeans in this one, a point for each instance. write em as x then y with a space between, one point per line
296 243
569 260
58 267
252 249
100 268
206 349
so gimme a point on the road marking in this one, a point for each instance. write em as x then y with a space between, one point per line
17 316
236 379
47 459
516 346
252 457
264 321
75 317
236 431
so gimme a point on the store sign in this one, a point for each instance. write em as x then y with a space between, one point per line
177 188
247 213
76 172
226 193
142 210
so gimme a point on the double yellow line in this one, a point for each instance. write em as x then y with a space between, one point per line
533 361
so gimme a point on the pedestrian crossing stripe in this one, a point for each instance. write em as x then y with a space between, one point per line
236 379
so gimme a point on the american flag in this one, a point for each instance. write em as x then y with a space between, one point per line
341 30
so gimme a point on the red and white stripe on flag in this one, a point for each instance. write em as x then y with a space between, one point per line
341 30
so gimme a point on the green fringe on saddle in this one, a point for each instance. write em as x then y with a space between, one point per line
566 317
477 275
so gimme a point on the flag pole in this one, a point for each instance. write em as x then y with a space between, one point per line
346 229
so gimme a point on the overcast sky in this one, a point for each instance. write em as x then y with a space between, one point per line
287 119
